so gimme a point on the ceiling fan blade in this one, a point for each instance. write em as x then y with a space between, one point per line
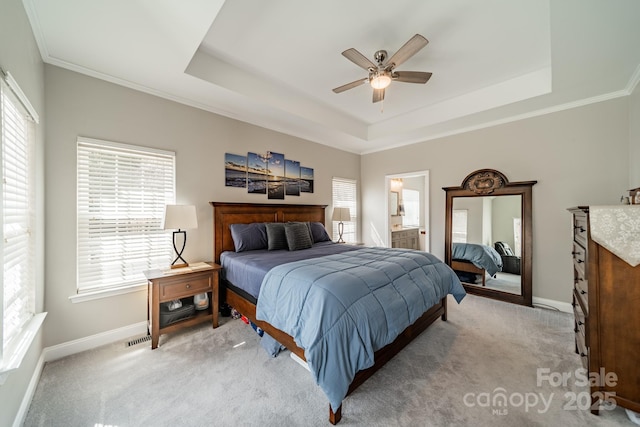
350 85
408 49
378 95
411 76
359 59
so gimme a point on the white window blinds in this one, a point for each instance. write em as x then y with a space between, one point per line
459 225
345 196
122 194
18 216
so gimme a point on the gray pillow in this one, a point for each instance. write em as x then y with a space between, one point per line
249 237
306 224
276 238
298 236
319 232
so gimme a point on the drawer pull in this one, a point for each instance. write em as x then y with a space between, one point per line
582 354
582 291
580 228
579 261
188 286
580 323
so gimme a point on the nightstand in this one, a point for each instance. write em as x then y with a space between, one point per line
181 283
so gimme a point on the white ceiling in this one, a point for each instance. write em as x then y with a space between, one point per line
274 63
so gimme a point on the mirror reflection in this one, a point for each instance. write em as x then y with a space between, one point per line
487 241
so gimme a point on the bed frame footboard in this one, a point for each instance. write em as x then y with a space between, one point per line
381 356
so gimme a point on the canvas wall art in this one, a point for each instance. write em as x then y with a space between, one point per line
269 173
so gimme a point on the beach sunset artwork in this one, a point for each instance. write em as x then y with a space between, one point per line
275 168
235 170
267 173
292 177
257 173
306 180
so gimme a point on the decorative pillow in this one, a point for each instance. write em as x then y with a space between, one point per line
276 238
249 237
307 224
298 236
318 232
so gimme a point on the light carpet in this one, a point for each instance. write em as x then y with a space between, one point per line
453 374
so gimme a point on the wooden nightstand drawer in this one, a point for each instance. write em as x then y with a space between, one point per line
182 288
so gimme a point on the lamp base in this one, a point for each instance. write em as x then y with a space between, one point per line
180 265
179 253
340 231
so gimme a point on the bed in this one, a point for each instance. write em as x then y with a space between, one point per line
476 259
307 277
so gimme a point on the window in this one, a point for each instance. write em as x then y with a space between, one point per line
459 226
18 282
122 194
345 196
411 204
517 236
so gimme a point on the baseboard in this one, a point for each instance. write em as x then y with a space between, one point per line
29 392
93 341
565 307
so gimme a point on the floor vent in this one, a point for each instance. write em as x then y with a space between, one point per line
139 340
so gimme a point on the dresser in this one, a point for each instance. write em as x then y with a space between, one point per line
405 238
606 305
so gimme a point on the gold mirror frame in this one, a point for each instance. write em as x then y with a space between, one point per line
490 182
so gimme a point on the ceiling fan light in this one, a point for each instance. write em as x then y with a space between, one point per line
380 81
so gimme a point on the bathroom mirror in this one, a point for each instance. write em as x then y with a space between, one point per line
488 237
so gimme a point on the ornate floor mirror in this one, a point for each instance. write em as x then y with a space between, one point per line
488 237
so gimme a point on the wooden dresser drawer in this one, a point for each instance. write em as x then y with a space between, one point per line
583 350
581 323
581 290
580 229
173 289
579 260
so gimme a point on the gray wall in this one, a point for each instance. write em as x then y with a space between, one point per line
80 105
19 55
634 138
578 157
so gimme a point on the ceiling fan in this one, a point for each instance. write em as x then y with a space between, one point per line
383 71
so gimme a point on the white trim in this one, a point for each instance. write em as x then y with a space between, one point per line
125 147
87 343
12 358
564 307
18 421
22 98
106 293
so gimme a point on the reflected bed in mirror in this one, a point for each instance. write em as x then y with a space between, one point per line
488 235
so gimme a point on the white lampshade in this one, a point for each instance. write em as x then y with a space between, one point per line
341 214
180 217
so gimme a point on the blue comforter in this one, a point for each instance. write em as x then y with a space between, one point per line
481 256
342 308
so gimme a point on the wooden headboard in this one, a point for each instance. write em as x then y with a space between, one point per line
225 214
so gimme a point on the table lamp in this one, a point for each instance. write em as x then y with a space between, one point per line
180 217
341 214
